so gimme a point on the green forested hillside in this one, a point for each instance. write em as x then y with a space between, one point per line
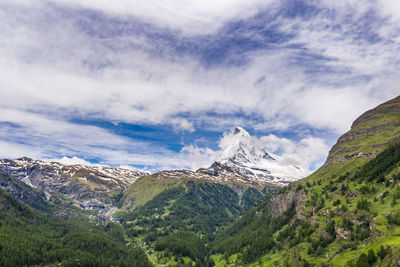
177 221
190 213
332 221
345 214
29 237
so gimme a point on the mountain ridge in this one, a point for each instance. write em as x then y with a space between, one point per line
382 121
88 187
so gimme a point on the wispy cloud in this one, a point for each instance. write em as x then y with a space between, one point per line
189 17
266 65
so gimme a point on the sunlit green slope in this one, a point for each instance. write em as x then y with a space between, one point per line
346 213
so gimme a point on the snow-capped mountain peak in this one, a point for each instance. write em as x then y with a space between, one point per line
245 154
240 147
240 131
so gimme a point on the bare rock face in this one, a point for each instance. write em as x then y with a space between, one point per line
369 134
341 232
23 192
282 202
87 187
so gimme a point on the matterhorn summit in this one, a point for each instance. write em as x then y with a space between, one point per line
245 155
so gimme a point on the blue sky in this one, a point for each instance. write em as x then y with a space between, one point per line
156 84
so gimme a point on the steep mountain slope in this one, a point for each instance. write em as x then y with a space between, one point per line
50 202
147 187
245 157
88 187
193 208
29 237
346 213
23 192
369 134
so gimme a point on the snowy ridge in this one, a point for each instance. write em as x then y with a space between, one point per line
244 155
86 187
26 169
215 174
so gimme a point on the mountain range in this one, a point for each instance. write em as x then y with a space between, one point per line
97 187
87 187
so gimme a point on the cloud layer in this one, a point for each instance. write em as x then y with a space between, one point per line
283 69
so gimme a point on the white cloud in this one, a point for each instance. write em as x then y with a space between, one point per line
190 17
198 157
182 124
310 152
13 150
52 69
385 8
73 161
134 86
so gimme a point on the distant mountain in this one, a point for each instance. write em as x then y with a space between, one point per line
87 187
242 164
148 187
246 158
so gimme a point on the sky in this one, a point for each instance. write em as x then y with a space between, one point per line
161 84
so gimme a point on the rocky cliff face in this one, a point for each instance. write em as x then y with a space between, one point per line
23 192
87 187
372 131
282 202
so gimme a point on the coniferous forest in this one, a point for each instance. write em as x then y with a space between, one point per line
29 237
